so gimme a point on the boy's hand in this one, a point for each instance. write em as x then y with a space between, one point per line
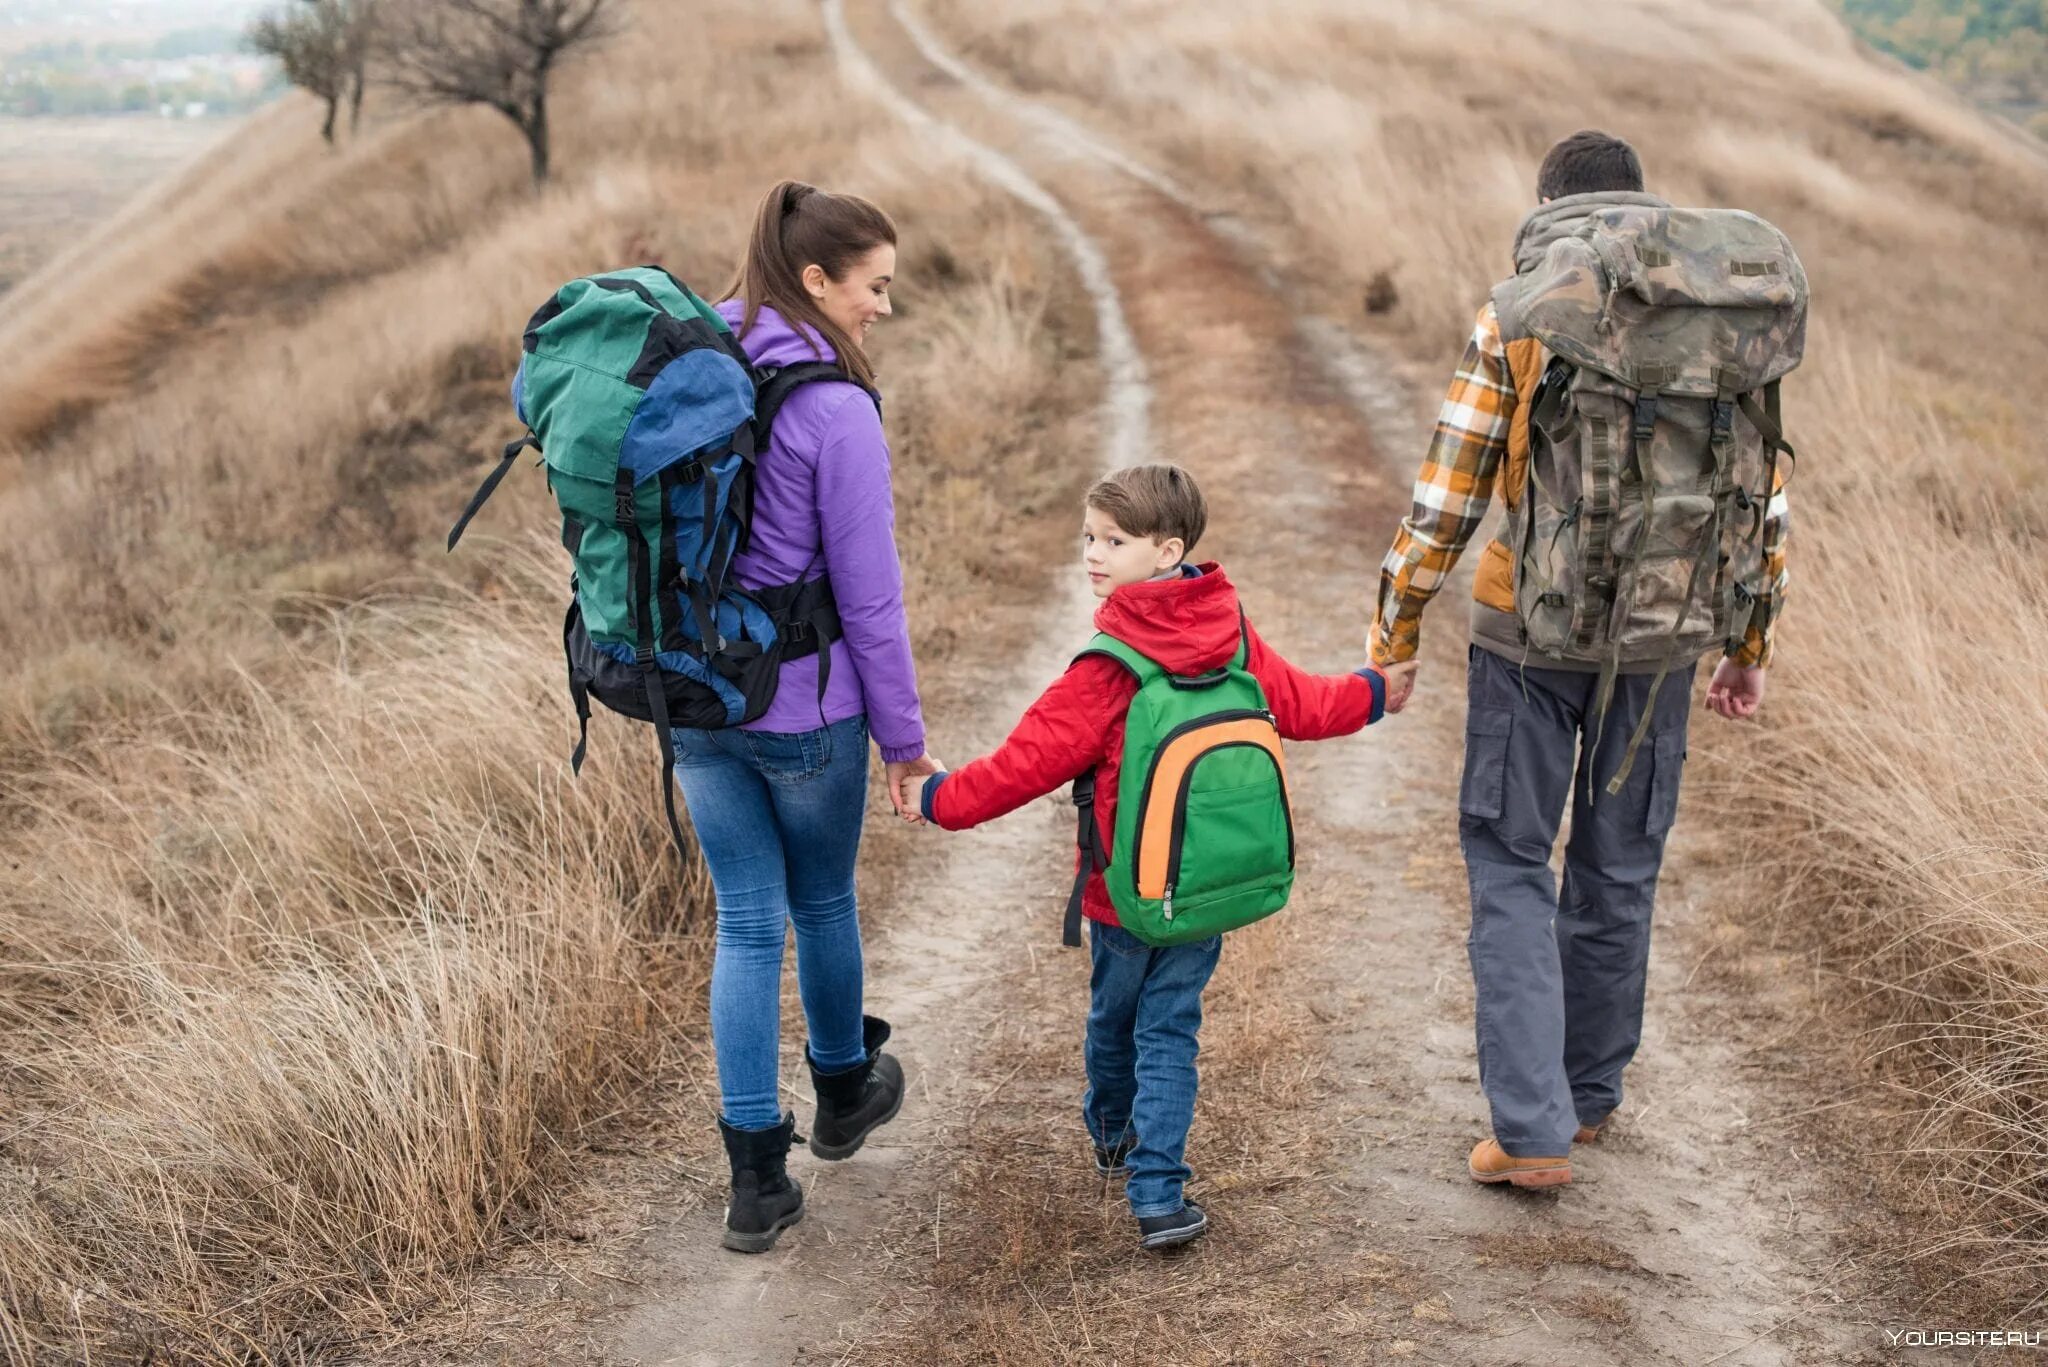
1400 683
905 779
1736 691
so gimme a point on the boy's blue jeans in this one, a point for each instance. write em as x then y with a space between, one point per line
778 816
1144 1012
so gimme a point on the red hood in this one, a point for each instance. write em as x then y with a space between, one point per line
1188 625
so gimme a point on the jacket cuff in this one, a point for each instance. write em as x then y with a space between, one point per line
927 795
1378 683
902 754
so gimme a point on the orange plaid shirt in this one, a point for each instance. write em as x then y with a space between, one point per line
1455 489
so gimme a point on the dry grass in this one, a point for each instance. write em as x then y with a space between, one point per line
1895 804
315 968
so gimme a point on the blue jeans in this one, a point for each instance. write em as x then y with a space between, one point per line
1144 1011
778 817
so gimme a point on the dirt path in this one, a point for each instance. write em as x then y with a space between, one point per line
697 1304
1345 1032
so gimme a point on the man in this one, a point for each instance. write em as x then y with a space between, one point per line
1563 691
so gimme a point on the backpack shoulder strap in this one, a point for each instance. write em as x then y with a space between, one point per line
1087 835
1141 666
778 385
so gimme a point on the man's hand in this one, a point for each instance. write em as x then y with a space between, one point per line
1736 691
905 778
1400 684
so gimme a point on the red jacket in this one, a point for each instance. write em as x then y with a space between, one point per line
1189 625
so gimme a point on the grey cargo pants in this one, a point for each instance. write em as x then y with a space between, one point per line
1559 973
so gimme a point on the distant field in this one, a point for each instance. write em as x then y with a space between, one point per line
61 177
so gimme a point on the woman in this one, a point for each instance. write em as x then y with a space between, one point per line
777 804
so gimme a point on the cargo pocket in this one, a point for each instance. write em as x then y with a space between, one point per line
1483 790
1666 766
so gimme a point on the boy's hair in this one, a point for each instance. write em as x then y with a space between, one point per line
1588 162
1159 501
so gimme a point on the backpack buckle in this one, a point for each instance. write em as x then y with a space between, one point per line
1600 585
1645 416
622 509
1724 417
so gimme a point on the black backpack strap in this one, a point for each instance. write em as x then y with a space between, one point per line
579 691
490 485
775 389
1094 859
641 567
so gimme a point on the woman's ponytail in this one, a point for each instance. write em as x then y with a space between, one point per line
799 225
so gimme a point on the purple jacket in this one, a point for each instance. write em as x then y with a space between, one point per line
823 505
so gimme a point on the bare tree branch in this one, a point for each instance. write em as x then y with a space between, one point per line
497 53
310 40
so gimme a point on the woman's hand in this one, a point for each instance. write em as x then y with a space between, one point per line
905 778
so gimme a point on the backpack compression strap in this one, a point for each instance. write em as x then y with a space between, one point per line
490 485
641 569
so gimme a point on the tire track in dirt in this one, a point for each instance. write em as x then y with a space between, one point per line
1687 1239
700 1305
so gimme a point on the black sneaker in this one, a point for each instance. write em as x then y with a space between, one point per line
1111 1161
1165 1231
856 1102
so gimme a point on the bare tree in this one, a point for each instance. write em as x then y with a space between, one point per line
362 35
311 40
491 52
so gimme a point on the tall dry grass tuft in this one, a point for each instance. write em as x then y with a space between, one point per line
317 971
1892 806
304 1002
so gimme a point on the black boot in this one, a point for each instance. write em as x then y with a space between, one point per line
764 1201
854 1103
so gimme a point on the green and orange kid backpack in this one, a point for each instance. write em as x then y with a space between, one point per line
1204 839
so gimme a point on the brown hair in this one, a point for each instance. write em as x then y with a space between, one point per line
800 225
1588 162
1159 501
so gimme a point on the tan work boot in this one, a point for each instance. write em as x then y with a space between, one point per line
1588 1134
1491 1163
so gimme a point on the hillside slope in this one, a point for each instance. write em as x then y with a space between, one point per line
322 987
317 973
1886 823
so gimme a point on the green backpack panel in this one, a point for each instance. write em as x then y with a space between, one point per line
1204 839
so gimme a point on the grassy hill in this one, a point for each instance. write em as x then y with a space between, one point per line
1888 819
316 969
314 963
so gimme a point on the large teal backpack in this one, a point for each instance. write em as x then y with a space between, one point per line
648 419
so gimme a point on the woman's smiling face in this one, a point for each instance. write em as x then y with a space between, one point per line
855 302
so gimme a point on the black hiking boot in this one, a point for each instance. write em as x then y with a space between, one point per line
1111 1161
1165 1231
764 1201
855 1103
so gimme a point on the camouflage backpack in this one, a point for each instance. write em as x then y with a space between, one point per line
1654 434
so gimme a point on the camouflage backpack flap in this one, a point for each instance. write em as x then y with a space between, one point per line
1654 432
1702 302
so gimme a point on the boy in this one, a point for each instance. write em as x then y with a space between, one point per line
1145 1003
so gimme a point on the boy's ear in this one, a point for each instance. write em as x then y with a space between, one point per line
1171 552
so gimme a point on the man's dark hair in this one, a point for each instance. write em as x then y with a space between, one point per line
1588 162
